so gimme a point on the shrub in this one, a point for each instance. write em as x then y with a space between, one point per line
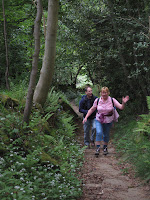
132 139
41 160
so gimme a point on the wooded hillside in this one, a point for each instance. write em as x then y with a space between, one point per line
49 51
107 42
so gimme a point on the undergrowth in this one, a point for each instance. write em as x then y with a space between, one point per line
39 160
132 139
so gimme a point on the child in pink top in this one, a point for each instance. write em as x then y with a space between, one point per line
104 116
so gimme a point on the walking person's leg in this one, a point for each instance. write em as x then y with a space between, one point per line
99 136
106 128
86 127
93 132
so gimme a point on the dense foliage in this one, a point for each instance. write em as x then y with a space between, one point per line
19 26
39 161
114 45
101 42
105 41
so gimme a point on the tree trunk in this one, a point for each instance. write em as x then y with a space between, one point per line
90 75
75 80
47 70
44 24
140 81
6 48
128 7
32 82
149 27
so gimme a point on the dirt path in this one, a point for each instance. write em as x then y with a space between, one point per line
103 179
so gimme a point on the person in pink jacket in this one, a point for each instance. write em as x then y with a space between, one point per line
104 117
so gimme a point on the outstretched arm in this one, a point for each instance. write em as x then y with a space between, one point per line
90 111
124 101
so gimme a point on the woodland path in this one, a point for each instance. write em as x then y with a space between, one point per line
102 177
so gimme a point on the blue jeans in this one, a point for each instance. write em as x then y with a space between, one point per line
102 131
89 125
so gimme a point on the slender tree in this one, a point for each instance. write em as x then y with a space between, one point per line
149 27
32 82
6 48
47 70
76 76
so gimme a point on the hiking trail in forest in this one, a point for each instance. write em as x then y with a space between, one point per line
103 177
